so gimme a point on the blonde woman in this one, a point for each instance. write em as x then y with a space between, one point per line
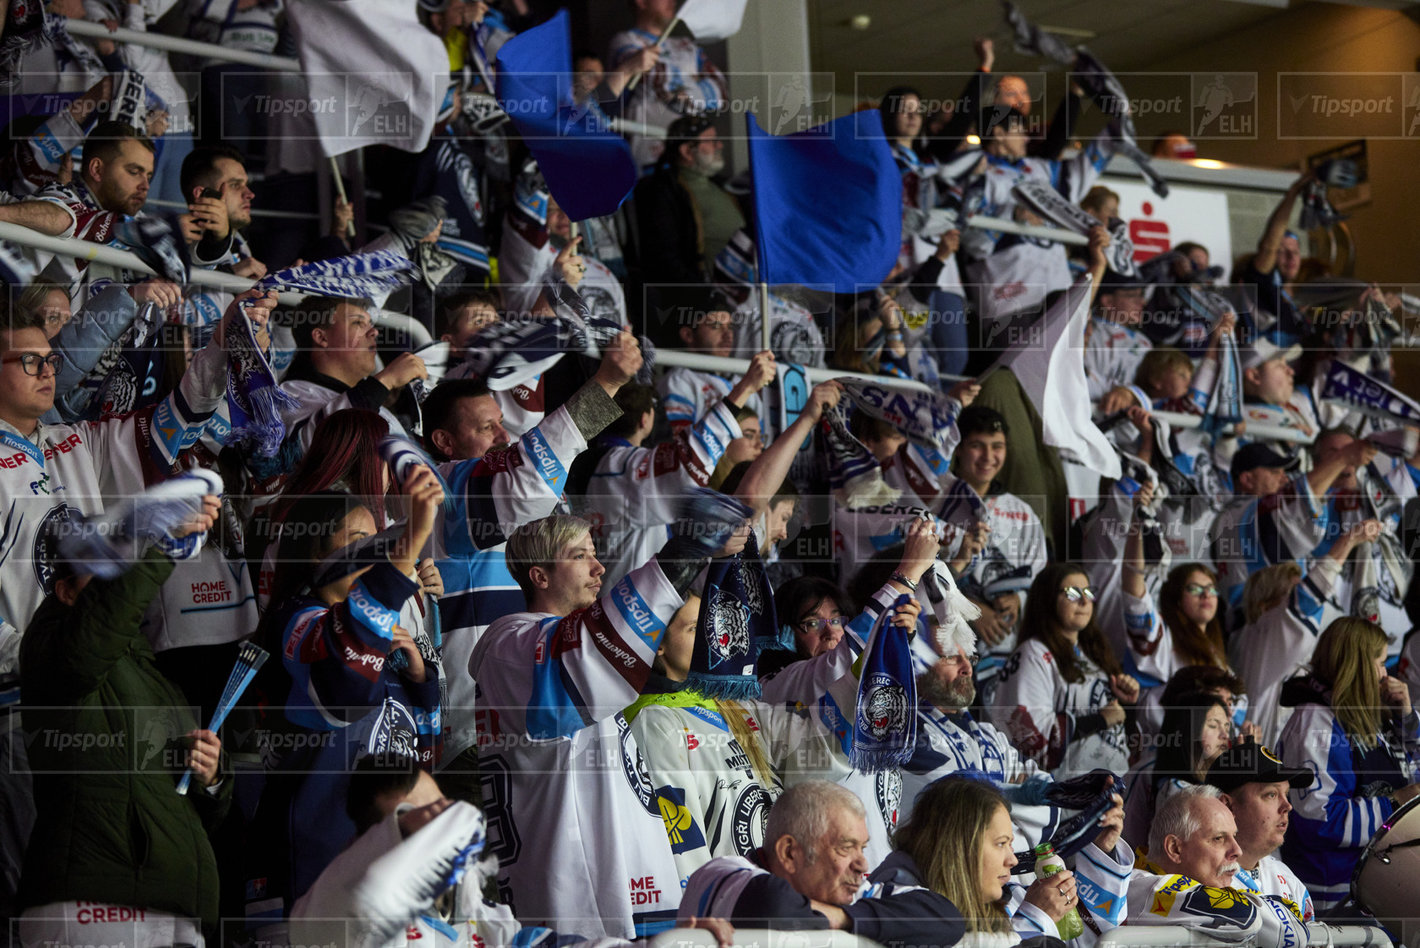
1353 725
958 843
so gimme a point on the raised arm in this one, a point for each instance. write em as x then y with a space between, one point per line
1271 239
768 471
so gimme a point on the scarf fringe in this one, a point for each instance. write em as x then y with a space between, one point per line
265 431
731 687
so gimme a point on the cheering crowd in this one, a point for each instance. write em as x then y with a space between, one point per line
443 585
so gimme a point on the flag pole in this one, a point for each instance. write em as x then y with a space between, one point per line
764 335
340 190
660 41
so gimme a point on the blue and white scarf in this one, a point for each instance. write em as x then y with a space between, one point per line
254 400
854 475
737 621
107 545
925 417
885 723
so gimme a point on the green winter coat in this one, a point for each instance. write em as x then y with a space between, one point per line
104 731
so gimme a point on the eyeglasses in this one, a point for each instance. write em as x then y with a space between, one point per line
762 437
814 624
1076 593
1194 589
31 361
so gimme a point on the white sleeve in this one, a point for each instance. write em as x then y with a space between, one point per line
509 486
655 480
372 890
1103 882
549 679
1150 641
1025 706
807 680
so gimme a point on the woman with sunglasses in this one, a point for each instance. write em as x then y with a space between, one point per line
1062 694
1183 628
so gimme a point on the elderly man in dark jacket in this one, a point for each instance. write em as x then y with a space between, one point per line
117 856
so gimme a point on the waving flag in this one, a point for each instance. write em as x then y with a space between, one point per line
588 168
851 239
384 74
710 21
1050 365
1370 396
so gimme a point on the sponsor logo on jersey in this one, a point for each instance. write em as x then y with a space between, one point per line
551 469
635 612
681 830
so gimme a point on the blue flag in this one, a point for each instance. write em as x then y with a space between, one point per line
588 167
828 203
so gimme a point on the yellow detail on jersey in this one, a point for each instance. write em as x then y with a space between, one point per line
1163 902
676 817
1224 898
914 320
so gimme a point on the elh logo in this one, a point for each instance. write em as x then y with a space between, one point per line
1224 105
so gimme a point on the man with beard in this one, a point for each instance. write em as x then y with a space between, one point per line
1254 785
683 216
951 739
1191 877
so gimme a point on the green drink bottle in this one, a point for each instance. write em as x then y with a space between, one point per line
1048 864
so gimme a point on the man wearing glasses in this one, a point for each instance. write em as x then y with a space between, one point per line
49 472
630 492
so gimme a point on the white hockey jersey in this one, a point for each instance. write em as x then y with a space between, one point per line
490 497
1272 877
75 469
1018 272
1253 532
685 82
635 493
1279 645
572 816
1112 355
1014 553
1040 711
951 742
822 692
1232 915
687 395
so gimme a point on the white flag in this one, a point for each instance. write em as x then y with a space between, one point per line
1050 365
710 21
374 75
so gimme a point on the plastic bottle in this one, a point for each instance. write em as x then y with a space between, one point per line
1048 864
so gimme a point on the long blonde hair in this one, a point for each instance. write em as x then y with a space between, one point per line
945 836
1345 659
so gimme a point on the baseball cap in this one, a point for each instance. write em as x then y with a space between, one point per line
1250 762
1264 350
1114 280
1249 457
